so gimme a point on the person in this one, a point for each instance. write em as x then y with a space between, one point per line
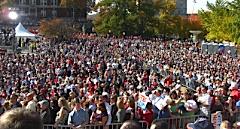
147 115
20 118
217 105
121 111
114 109
104 98
14 102
158 124
130 124
100 116
31 104
78 117
225 125
205 101
45 112
201 123
62 115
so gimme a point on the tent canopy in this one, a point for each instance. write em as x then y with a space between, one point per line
20 31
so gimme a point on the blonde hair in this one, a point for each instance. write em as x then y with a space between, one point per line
120 104
225 125
64 103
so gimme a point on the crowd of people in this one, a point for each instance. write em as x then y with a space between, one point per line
99 80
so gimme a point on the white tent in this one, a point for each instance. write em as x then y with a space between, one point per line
20 31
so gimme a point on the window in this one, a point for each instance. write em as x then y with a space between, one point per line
54 2
54 13
43 13
22 1
43 2
33 2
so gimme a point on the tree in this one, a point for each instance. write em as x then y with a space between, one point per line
134 17
75 5
235 13
5 3
56 28
218 21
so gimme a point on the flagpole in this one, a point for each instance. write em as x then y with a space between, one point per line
194 2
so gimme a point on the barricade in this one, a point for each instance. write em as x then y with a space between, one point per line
179 122
231 117
95 126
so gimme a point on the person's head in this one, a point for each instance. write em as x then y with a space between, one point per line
131 102
30 96
236 125
225 125
62 102
149 106
13 98
20 119
198 90
158 124
131 125
6 105
113 99
217 100
78 103
173 95
204 89
44 104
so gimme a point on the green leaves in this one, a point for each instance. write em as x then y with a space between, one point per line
222 21
129 16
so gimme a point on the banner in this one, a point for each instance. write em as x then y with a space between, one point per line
216 119
142 101
160 102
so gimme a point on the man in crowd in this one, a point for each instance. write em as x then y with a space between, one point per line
45 112
78 117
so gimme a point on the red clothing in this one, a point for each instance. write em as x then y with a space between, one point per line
147 116
236 94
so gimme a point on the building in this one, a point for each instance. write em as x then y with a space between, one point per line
31 11
181 7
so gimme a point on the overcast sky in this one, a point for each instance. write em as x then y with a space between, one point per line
200 4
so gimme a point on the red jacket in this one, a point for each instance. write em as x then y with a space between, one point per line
147 116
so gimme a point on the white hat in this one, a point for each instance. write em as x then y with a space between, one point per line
190 105
105 94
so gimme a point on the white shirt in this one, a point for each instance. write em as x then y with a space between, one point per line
205 99
109 108
32 106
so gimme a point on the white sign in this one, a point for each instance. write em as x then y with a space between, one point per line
160 102
216 119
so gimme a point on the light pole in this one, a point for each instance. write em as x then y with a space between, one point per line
13 16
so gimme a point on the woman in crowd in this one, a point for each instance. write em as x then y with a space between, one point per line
217 105
62 115
121 111
100 116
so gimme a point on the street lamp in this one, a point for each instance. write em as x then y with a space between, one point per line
13 15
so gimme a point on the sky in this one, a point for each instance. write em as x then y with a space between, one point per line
200 4
194 7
